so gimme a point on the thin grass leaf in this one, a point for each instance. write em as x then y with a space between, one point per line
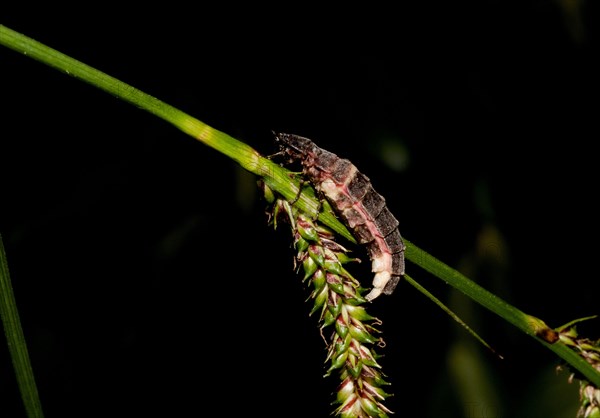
16 341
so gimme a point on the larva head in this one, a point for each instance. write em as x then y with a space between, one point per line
296 146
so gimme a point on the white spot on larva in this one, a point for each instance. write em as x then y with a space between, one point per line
373 294
380 279
381 263
329 187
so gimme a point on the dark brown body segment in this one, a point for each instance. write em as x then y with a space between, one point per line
358 204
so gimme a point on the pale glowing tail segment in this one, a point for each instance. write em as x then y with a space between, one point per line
358 204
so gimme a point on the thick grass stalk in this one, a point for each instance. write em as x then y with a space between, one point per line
275 176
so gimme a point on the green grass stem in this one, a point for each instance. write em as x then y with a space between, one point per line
280 180
530 325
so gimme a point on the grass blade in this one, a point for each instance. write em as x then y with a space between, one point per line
16 341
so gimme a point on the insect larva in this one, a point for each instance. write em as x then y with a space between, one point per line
363 209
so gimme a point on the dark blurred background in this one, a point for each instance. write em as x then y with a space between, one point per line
147 277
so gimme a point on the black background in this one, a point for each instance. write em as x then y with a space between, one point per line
147 278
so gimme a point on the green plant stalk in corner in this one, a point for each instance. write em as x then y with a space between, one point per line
9 316
279 179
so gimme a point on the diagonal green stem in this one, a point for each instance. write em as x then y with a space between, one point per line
530 325
280 180
276 177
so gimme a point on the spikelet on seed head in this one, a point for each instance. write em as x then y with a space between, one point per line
336 297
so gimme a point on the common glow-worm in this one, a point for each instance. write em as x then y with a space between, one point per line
358 204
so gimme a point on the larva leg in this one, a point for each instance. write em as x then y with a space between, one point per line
303 183
276 154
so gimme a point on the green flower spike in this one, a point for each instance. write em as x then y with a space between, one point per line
590 351
337 297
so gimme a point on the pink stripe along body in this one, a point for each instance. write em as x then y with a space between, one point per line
358 204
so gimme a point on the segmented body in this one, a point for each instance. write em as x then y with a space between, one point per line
358 204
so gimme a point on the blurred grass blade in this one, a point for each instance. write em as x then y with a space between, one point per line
16 342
